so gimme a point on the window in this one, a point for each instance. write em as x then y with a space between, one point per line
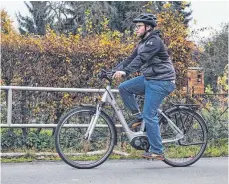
199 78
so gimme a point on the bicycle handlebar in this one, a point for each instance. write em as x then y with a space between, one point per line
103 74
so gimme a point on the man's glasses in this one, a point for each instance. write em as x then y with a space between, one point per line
138 26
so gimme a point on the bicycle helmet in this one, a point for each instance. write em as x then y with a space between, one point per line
146 18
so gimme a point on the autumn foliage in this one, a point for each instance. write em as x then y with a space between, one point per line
65 61
74 60
71 61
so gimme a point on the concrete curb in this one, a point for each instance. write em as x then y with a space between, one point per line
47 154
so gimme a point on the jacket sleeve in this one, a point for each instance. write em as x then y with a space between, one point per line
126 62
151 48
134 66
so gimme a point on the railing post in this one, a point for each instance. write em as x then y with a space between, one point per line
9 107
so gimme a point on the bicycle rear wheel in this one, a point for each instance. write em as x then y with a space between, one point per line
71 144
190 148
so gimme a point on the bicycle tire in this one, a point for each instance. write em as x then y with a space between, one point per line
197 124
63 151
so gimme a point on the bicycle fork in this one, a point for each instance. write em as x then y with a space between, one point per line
92 124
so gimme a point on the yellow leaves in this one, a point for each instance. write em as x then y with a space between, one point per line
66 95
67 100
49 31
79 30
88 12
105 23
105 42
6 23
208 89
222 81
184 4
64 78
116 34
160 20
36 110
76 37
148 10
167 5
208 105
17 79
50 34
149 3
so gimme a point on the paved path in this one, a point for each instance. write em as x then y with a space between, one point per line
205 171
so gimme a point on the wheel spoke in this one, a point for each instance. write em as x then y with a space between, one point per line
189 149
72 146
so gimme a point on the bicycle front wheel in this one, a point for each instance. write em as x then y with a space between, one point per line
190 148
74 149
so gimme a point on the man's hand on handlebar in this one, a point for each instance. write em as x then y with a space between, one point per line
118 75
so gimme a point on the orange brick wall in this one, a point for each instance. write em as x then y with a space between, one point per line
195 81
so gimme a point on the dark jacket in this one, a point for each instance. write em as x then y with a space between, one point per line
151 58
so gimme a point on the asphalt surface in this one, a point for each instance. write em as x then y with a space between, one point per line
204 171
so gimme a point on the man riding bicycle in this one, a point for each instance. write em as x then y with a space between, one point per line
156 82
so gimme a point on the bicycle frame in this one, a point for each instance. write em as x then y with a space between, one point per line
109 97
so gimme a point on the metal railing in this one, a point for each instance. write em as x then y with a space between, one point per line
48 89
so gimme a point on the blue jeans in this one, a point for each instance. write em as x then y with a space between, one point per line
155 91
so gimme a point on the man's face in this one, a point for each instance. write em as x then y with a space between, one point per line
140 29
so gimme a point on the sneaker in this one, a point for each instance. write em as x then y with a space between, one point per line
135 123
151 155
